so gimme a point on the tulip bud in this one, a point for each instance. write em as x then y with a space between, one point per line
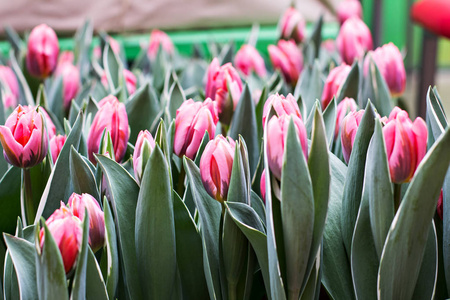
292 25
349 127
333 84
112 116
348 9
249 60
10 87
142 151
56 144
281 105
287 58
216 164
440 206
42 51
406 144
389 61
277 129
24 138
158 39
346 106
191 122
79 204
432 15
224 86
70 81
262 185
353 40
67 233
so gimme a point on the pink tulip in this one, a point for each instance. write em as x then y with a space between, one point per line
56 144
10 86
142 151
262 185
389 61
354 40
333 84
224 86
287 58
42 51
67 233
281 105
79 204
292 25
277 129
406 144
346 106
113 117
216 164
349 127
24 138
348 9
248 60
158 39
71 82
191 122
432 15
66 57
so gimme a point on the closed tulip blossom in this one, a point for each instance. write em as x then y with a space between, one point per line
354 40
70 82
224 86
67 232
216 164
389 61
348 9
42 51
193 119
56 144
346 106
277 129
142 151
334 83
287 58
113 117
262 185
159 39
432 15
292 25
282 106
349 127
248 60
10 87
78 205
24 138
406 144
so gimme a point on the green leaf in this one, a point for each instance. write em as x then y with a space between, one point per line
50 274
350 87
112 274
316 35
310 85
376 89
406 242
124 196
55 98
155 222
23 85
79 280
83 40
329 118
10 199
113 68
176 98
259 109
95 286
83 179
258 205
436 119
58 185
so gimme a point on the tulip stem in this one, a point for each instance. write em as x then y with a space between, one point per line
27 197
180 186
231 291
397 195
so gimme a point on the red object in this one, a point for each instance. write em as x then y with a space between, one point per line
292 25
334 82
287 58
349 127
145 139
282 106
42 51
262 185
433 15
56 144
248 60
346 106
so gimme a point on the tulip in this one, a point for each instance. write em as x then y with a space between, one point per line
348 9
440 206
433 15
249 60
349 127
142 151
130 81
70 81
10 87
353 40
389 61
262 185
277 129
158 39
78 205
406 144
66 57
113 117
67 233
42 51
281 105
224 86
292 25
333 83
216 164
287 58
191 122
24 138
56 144
346 106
